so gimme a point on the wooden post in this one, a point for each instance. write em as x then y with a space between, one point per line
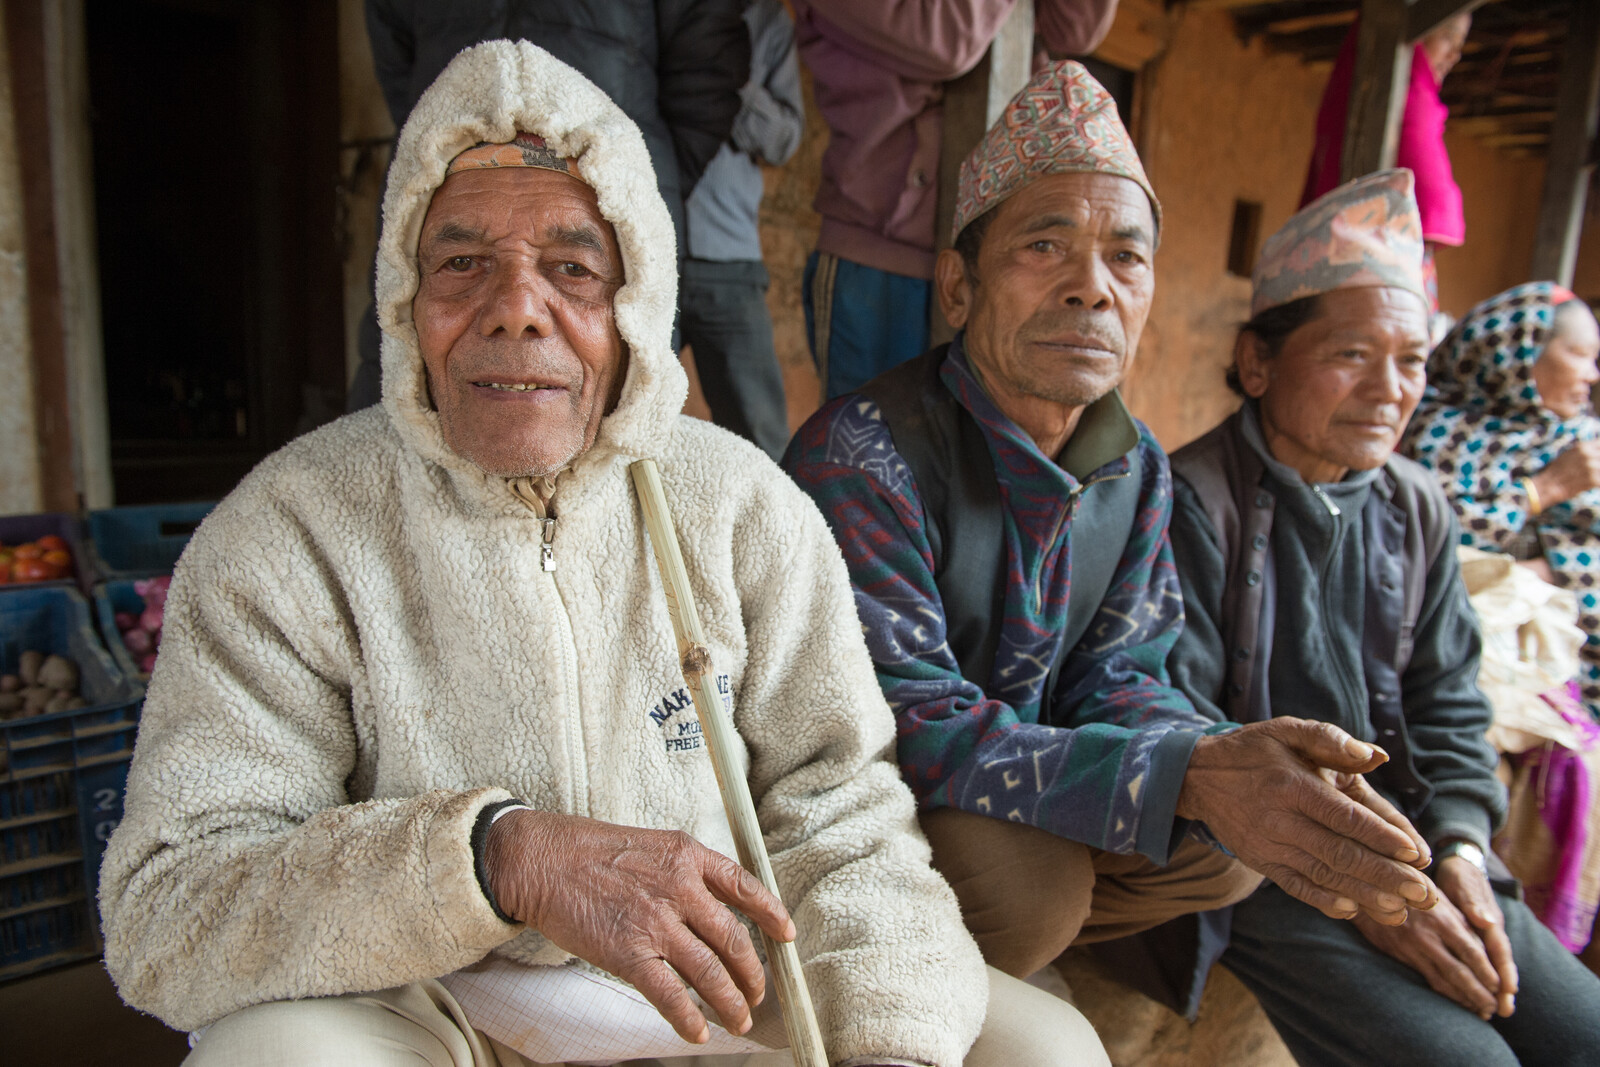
1378 90
971 104
25 36
1567 174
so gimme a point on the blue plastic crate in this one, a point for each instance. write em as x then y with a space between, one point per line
18 529
61 783
109 599
144 541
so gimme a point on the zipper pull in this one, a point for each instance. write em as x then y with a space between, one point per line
547 555
1333 509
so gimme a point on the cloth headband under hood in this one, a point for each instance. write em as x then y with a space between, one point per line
490 93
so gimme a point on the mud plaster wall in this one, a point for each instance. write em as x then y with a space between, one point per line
1219 122
19 468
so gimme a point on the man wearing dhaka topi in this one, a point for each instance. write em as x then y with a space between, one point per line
1005 522
418 780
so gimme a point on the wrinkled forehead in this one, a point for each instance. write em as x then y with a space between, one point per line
1082 200
1385 316
538 205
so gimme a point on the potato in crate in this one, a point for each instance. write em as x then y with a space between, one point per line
61 783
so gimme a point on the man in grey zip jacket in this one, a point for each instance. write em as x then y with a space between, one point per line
1320 580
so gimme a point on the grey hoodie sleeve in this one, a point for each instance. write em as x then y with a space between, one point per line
772 118
242 871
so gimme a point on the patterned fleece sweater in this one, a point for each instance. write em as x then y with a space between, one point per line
1104 765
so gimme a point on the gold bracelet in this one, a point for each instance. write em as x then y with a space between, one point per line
1534 506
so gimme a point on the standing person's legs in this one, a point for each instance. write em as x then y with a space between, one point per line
1337 1001
1026 894
861 321
726 322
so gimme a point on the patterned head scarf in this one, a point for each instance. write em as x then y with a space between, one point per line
1062 121
1365 233
523 150
1483 432
1487 360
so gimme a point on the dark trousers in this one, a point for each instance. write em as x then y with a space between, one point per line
1337 1000
725 320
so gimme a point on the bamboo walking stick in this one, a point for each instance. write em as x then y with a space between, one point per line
716 724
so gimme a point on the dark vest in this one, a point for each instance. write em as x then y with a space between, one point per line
954 474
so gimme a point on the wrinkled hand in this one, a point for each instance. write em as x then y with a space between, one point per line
1574 471
1460 946
1286 796
645 905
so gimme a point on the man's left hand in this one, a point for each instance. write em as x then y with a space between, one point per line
1460 946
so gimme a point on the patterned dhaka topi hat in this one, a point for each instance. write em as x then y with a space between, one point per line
523 150
1062 121
1365 233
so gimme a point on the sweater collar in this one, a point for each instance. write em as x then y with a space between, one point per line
1106 432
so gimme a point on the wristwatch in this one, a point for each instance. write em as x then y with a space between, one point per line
1465 849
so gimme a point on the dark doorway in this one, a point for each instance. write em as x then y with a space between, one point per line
215 129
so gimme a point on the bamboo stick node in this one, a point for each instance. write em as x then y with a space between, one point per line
721 741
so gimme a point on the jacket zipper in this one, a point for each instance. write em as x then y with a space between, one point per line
1327 501
577 754
1073 498
547 551
1352 696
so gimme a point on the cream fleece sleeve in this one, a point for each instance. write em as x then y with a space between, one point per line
243 871
891 967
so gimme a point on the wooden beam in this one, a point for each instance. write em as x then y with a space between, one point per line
971 104
1427 15
1378 90
25 37
1566 180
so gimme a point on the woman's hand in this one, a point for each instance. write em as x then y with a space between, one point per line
1575 471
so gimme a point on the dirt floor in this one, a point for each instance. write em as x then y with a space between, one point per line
72 1017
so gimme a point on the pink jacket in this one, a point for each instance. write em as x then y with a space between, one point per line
1421 145
878 69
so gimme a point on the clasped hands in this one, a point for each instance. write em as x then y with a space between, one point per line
1288 797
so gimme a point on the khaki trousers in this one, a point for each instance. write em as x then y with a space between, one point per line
1027 895
421 1025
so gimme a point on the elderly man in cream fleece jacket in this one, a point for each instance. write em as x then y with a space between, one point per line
417 780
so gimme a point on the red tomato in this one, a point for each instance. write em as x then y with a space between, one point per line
28 551
60 561
52 543
31 570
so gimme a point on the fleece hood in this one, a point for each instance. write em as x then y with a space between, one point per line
489 93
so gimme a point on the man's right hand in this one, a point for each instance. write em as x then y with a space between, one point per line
1574 471
645 905
1286 796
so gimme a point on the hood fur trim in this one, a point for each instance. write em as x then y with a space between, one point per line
488 93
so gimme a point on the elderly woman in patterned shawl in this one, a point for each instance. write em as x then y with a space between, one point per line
1506 424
